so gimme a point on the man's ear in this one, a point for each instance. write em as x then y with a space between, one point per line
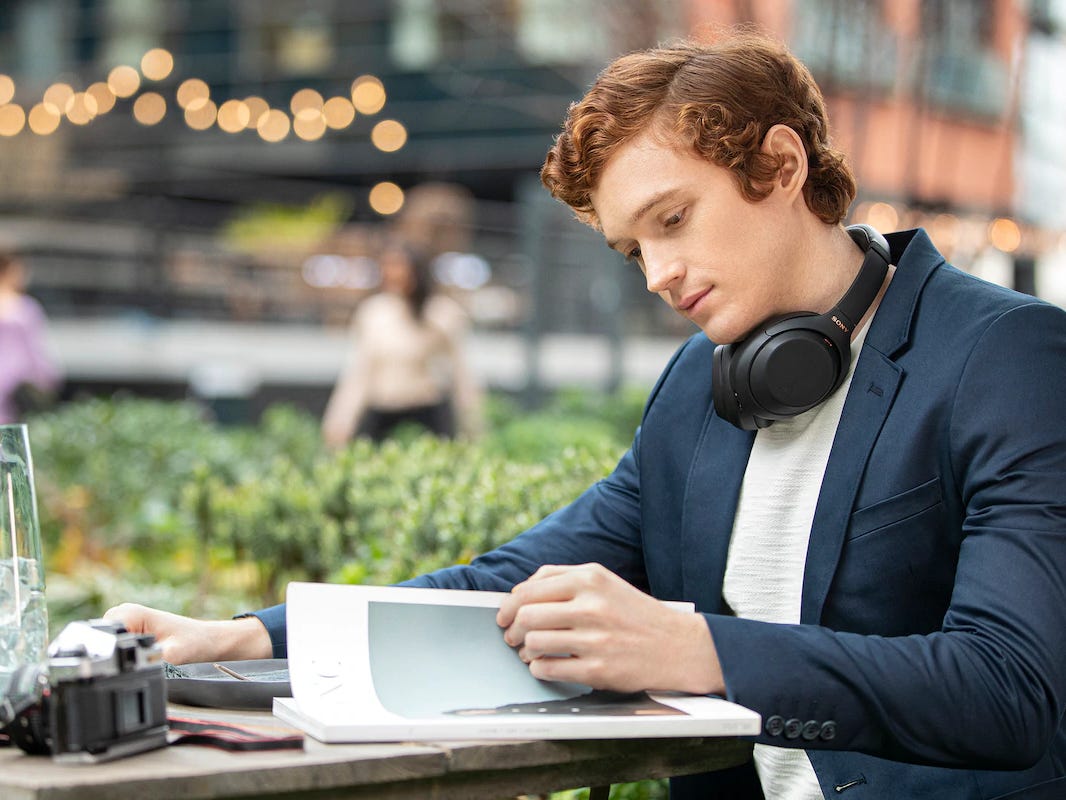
786 148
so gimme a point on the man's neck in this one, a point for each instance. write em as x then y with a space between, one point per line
835 263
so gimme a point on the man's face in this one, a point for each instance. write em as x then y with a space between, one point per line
713 256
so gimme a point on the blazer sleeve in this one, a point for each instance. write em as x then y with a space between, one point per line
989 687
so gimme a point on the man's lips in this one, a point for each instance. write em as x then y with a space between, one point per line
687 303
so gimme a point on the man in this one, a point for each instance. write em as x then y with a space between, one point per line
883 575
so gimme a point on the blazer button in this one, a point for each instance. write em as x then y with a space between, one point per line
811 729
829 731
774 725
793 728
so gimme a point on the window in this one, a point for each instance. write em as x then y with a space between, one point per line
961 71
845 43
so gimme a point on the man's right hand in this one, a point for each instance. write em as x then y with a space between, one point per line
186 640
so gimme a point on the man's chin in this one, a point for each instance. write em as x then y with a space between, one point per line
719 335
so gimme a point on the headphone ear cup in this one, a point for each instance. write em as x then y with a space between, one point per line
733 401
785 369
725 400
790 371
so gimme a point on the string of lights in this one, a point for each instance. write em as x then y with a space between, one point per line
308 117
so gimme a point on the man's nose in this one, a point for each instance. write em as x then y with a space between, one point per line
661 269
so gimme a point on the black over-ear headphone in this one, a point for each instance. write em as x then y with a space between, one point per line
790 364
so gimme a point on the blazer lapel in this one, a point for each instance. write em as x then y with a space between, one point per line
710 503
873 388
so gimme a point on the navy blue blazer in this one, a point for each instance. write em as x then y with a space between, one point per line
931 656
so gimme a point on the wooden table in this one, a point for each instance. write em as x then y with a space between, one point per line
439 770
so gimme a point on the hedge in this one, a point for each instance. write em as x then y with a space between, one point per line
150 498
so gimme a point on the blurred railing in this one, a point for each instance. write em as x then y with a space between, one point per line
166 311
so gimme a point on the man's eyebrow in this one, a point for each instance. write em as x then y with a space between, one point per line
652 201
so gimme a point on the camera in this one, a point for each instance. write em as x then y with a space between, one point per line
99 695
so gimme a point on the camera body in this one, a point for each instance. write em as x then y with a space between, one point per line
100 695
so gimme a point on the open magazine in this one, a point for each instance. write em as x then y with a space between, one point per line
377 663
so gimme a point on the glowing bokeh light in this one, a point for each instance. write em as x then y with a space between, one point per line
81 108
368 94
43 120
308 127
944 231
157 64
124 81
12 119
104 97
386 198
257 107
149 108
7 89
338 112
883 217
201 116
193 93
58 96
388 135
233 116
274 125
307 102
1005 234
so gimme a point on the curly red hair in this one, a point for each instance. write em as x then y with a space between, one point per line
719 99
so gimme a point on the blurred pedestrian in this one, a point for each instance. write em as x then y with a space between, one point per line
407 364
28 376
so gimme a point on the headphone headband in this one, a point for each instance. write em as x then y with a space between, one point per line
860 295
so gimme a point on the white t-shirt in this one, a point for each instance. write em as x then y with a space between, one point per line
768 549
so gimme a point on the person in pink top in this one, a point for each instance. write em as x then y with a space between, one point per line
25 366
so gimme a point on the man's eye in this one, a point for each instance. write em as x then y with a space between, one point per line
674 219
633 254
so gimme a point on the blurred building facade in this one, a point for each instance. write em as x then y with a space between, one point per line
468 92
947 109
243 164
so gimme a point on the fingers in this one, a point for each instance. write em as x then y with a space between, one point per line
584 624
570 670
166 628
542 617
558 643
550 570
551 583
141 619
185 640
132 615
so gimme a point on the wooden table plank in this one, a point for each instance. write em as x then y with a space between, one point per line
386 771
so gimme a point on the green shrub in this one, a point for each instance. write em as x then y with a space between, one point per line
382 514
620 412
160 494
572 418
